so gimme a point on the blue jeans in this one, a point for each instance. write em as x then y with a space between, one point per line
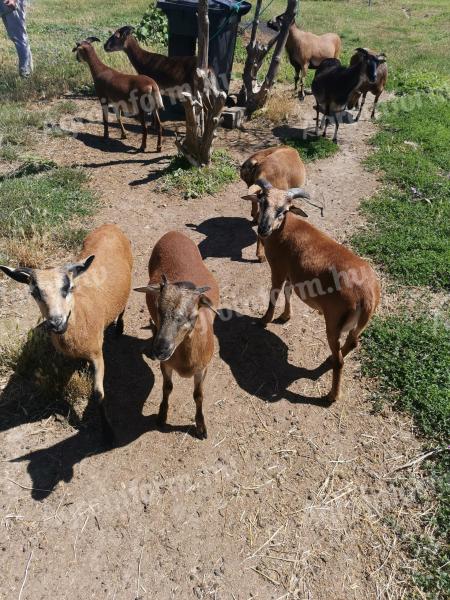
17 33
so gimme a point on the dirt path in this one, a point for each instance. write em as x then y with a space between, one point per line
286 498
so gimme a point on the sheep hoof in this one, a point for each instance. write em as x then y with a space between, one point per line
284 318
123 136
158 148
200 432
142 149
331 398
261 258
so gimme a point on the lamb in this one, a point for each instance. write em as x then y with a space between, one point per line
135 94
324 274
282 167
78 306
334 85
181 298
376 88
305 49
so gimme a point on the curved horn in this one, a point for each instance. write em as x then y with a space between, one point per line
263 184
363 50
91 39
298 193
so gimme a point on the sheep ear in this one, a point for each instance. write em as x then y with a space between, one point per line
22 275
154 289
297 211
205 301
75 48
80 267
381 58
251 197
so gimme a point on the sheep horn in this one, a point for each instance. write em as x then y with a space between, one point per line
298 193
91 39
263 184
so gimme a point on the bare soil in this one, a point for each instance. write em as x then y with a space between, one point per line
287 498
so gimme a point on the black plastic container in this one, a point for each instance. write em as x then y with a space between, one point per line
224 17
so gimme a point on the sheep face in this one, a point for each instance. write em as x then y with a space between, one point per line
118 39
178 309
82 49
372 62
275 23
53 291
274 205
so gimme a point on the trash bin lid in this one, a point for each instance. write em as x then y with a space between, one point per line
240 6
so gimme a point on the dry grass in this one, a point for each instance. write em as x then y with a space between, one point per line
32 252
279 107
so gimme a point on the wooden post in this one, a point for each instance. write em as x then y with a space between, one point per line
204 104
253 95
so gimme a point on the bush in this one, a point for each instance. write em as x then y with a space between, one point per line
153 28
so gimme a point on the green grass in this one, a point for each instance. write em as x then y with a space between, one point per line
409 220
313 148
34 204
410 357
193 182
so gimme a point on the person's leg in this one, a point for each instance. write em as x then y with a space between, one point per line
17 33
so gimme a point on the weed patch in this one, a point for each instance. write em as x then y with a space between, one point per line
193 182
313 148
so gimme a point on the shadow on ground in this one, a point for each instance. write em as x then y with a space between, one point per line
226 237
259 362
125 400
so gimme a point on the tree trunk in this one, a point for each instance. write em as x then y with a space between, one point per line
253 95
204 104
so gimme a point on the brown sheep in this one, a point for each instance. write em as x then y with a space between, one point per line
135 94
324 274
181 298
282 167
307 50
376 87
78 306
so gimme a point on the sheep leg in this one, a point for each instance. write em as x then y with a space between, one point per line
363 99
324 120
286 314
119 324
337 362
302 82
277 284
336 123
167 389
297 68
198 399
104 104
260 254
157 122
317 119
122 128
99 398
144 131
372 116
